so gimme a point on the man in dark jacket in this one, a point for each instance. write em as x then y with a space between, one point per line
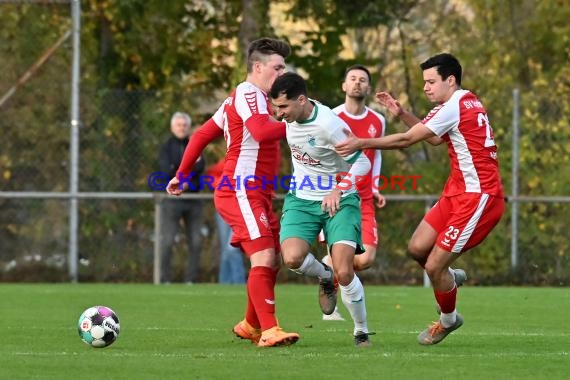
174 210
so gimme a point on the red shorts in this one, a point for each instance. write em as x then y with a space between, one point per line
463 221
369 226
250 215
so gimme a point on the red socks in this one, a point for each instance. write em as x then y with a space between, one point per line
260 310
446 300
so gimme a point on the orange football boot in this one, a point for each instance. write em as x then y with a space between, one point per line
244 330
275 336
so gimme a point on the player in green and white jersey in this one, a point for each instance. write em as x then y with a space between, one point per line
323 196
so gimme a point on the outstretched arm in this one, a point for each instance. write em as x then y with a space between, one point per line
208 132
417 133
204 135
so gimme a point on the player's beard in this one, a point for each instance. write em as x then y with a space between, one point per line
358 96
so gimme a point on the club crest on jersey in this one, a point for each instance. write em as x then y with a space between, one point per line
371 130
311 140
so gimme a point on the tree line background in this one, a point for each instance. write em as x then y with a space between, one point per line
141 60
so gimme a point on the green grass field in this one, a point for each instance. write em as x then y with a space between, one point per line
183 332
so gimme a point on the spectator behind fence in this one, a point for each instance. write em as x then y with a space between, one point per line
174 210
232 269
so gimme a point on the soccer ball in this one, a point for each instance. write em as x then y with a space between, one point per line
98 326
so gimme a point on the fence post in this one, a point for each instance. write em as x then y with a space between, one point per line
157 238
515 182
74 143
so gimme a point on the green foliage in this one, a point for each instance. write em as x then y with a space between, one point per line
320 54
143 60
180 49
517 50
346 14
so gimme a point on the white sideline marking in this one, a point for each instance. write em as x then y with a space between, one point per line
383 354
511 334
463 332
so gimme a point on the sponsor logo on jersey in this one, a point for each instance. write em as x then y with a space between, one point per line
303 157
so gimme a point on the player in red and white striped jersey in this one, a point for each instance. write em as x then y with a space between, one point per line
472 201
244 195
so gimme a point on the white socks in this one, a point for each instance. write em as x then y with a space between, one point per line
448 319
353 298
313 268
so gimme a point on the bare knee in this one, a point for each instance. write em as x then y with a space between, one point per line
292 260
422 242
293 252
439 276
418 252
344 277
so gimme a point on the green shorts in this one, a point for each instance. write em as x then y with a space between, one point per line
304 219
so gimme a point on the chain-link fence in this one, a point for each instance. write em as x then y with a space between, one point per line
120 135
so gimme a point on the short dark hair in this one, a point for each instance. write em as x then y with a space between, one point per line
446 65
263 47
291 84
358 67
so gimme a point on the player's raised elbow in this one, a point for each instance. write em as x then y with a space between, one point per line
435 140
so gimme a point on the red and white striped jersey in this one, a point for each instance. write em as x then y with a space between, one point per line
463 124
245 155
252 137
369 124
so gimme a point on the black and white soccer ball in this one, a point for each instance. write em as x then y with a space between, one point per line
98 326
